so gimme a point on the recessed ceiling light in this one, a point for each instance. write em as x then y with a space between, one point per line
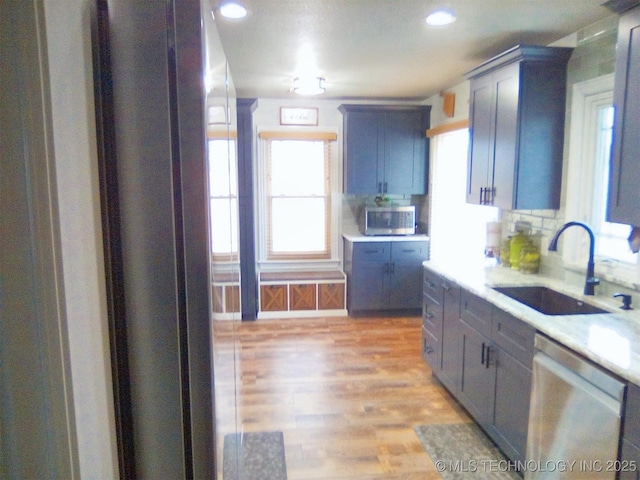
233 10
440 17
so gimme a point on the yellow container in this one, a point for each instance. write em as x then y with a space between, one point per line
518 240
529 259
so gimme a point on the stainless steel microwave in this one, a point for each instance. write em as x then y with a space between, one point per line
389 220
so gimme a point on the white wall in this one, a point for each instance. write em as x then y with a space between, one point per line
74 139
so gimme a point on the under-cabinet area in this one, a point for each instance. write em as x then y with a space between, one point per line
491 352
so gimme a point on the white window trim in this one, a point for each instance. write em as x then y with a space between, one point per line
586 97
261 211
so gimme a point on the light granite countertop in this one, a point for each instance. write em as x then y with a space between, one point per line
611 340
385 238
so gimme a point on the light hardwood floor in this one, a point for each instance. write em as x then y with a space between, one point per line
346 393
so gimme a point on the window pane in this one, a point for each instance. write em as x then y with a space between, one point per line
449 237
224 226
297 168
298 225
223 180
611 237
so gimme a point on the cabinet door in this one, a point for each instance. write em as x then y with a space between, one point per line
511 407
369 286
406 274
450 339
477 375
624 195
405 278
404 153
481 138
363 154
506 82
369 277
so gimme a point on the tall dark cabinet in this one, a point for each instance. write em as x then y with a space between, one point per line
385 149
517 114
624 195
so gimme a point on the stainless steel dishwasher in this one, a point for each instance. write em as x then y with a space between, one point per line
574 419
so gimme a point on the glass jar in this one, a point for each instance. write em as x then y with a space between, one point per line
517 242
505 252
529 258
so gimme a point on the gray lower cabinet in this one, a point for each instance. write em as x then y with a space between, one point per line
384 275
483 356
496 350
440 321
629 468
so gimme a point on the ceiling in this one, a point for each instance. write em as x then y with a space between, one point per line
383 48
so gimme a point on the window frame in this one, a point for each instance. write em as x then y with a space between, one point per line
588 98
233 198
265 204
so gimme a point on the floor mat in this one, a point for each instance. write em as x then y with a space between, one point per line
462 451
258 456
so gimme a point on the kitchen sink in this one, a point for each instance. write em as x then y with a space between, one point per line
548 301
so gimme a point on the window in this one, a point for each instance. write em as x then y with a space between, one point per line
297 196
456 226
590 150
223 199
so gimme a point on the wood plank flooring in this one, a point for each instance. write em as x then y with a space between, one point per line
346 393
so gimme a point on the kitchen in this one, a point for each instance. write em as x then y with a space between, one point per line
538 209
92 355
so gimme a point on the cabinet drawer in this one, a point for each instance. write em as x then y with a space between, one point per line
430 349
432 314
302 296
476 312
371 251
330 296
273 298
409 251
431 285
513 336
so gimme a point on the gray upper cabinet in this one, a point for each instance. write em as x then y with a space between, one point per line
385 149
624 195
517 114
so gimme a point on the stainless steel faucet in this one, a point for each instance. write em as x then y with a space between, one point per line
591 281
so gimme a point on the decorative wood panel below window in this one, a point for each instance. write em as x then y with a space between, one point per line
307 292
273 298
330 296
302 296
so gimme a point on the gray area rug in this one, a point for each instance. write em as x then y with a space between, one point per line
254 456
462 451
